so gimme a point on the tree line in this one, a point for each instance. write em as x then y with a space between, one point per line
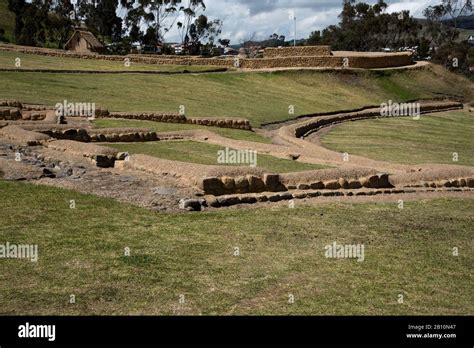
120 23
365 27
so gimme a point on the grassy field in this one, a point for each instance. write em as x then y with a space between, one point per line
31 61
81 252
196 152
170 127
432 139
260 97
7 20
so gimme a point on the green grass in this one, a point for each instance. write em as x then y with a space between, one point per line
81 252
260 97
32 61
432 139
7 20
196 152
171 127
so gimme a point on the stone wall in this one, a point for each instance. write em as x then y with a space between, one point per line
13 110
238 123
274 59
9 113
298 51
304 128
226 185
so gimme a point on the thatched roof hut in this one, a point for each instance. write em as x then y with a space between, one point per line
83 41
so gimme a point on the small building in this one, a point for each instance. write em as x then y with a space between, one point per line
83 41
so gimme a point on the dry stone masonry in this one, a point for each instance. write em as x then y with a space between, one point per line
289 57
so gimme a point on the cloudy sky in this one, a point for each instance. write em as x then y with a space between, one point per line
242 18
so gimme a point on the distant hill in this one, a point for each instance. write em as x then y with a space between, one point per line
465 25
7 20
466 22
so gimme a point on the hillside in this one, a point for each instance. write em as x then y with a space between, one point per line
7 20
260 97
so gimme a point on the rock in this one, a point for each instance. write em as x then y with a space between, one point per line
332 185
303 187
470 182
272 182
228 201
48 173
374 181
255 184
300 195
289 187
212 186
329 194
384 181
286 196
365 182
190 204
294 156
314 194
121 156
455 183
445 183
462 182
241 184
344 184
229 183
214 202
274 198
248 200
317 185
355 184
262 198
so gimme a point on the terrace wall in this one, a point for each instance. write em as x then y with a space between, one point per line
298 51
323 60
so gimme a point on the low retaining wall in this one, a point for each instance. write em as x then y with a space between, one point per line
14 110
177 118
106 135
226 185
297 51
274 59
305 128
9 113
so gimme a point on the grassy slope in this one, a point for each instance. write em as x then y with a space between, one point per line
195 152
81 252
169 127
260 97
31 61
433 138
7 19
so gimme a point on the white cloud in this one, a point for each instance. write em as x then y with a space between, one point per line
242 18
